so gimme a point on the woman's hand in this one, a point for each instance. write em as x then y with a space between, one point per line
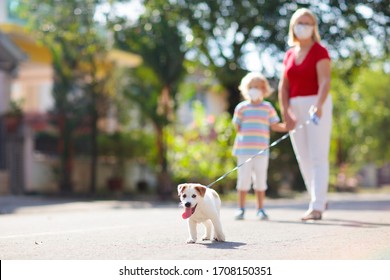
316 110
290 119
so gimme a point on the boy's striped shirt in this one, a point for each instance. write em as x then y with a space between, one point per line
254 121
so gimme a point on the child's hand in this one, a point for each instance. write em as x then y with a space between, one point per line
279 127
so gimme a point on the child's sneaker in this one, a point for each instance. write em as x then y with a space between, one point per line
240 214
262 215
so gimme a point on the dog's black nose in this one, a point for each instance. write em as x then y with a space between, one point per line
188 204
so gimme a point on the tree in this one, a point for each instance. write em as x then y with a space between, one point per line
370 111
79 53
156 37
225 31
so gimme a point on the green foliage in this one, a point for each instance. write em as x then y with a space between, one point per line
361 116
202 152
156 37
15 108
122 146
371 116
78 50
143 89
224 32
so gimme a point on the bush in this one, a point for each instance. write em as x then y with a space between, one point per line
122 146
202 152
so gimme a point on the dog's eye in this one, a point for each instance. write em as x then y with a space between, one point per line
194 195
184 195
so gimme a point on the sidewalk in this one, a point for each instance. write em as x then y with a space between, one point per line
11 204
40 203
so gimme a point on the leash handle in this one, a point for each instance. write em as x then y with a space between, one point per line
313 115
314 118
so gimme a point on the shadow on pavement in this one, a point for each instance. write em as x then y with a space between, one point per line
9 204
372 205
352 223
224 245
335 222
12 204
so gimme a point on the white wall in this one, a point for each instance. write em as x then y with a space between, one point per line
3 11
34 85
43 179
5 88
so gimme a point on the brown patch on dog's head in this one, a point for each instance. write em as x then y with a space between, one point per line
181 188
201 189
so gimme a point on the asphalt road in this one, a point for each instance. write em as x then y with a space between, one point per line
356 227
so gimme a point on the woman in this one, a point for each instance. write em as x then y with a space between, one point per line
303 88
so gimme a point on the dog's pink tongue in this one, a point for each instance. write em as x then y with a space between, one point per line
187 213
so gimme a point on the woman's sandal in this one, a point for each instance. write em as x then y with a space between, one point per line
313 215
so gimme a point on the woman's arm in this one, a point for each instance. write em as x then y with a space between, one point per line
323 75
287 115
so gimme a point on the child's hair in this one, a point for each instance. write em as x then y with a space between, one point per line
243 87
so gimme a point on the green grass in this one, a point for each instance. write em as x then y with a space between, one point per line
383 189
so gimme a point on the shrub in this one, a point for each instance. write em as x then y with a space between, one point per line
202 152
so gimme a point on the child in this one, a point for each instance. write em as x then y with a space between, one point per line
253 119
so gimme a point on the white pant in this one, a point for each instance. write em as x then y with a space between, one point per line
255 169
311 146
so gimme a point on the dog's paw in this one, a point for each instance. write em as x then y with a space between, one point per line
205 238
220 238
190 241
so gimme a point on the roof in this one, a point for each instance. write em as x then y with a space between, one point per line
10 54
124 59
35 52
39 53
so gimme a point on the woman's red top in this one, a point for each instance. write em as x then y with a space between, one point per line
302 78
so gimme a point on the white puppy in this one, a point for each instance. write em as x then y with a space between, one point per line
202 205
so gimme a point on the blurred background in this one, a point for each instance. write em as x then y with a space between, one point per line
133 97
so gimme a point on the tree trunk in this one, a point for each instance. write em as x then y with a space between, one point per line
66 153
94 148
165 185
233 98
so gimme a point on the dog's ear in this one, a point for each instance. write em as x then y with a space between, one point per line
201 189
181 188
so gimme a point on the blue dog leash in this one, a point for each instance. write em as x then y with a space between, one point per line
313 117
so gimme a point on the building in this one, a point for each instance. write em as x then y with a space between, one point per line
26 78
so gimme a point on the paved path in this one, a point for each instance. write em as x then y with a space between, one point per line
357 226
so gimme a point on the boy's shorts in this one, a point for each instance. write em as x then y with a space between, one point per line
254 171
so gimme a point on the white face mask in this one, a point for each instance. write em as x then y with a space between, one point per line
303 31
255 94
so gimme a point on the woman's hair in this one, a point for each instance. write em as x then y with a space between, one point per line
243 87
292 39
